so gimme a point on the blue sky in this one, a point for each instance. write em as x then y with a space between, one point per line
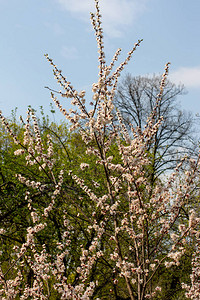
62 28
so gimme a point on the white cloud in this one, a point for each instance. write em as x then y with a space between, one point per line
69 52
117 14
190 77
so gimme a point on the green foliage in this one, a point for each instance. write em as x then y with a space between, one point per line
69 153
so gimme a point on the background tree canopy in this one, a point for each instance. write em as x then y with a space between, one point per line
136 98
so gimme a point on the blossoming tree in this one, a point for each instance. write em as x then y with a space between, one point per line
123 228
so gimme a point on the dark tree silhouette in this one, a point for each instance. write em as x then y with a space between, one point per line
136 98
